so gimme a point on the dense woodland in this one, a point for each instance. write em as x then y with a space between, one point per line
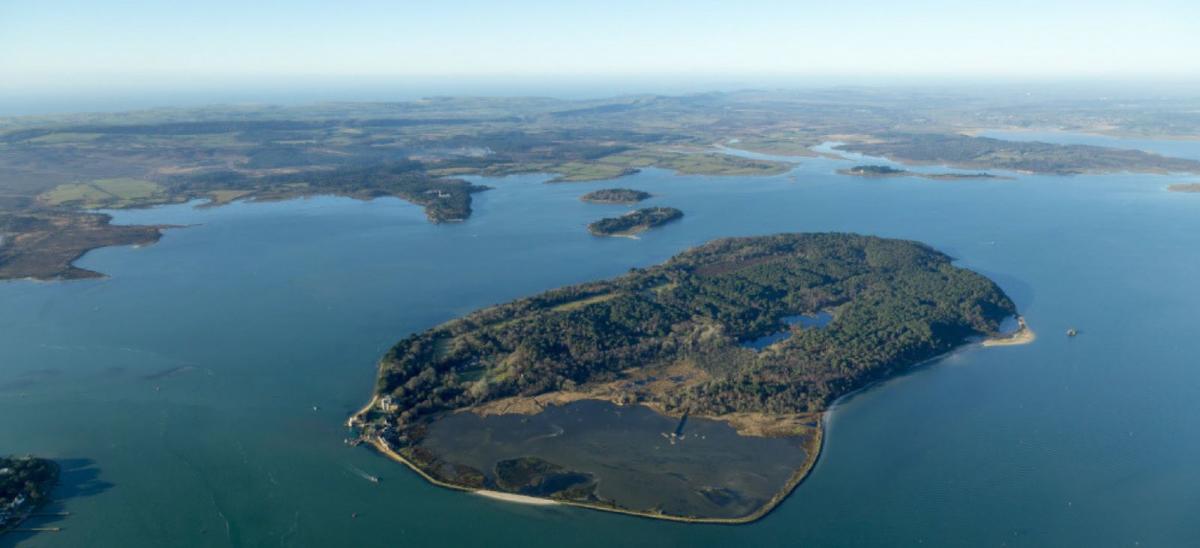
27 477
895 303
615 196
875 171
635 221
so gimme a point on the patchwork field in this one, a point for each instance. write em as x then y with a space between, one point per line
104 193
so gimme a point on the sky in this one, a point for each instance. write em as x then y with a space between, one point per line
57 45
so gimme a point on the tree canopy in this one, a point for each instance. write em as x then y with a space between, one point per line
895 303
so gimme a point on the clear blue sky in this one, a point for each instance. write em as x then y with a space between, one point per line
47 43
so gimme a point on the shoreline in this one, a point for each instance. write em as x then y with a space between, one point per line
513 497
205 201
1114 132
1023 335
813 450
632 235
14 524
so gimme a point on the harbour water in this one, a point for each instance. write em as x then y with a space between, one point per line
196 396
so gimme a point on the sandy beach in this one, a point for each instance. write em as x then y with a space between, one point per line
1023 335
510 497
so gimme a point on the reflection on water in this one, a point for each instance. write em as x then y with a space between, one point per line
637 458
820 319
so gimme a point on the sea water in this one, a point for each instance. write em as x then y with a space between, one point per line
197 395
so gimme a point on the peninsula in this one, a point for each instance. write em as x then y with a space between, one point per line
635 222
698 425
964 151
44 245
25 484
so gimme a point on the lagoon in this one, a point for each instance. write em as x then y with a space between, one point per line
629 456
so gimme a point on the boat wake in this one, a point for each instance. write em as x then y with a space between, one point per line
558 431
362 474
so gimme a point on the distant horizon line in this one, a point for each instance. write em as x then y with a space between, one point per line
17 101
120 80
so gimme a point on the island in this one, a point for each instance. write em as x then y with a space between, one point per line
666 368
874 171
634 222
615 196
889 171
1185 187
25 484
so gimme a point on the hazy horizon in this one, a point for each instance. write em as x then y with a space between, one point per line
65 51
169 93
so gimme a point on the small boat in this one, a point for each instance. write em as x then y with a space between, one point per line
1072 332
672 437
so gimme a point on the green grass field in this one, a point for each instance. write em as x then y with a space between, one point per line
721 164
585 171
65 138
689 163
123 192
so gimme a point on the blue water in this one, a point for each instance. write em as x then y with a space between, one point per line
820 319
196 396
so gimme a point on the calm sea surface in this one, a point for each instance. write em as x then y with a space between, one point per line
196 396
